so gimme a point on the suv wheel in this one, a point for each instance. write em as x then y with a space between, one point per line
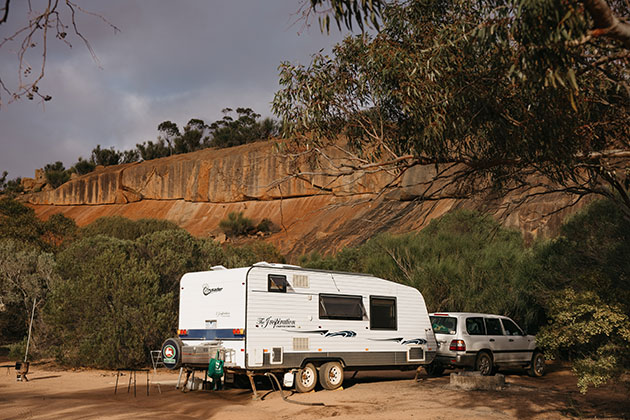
484 363
537 365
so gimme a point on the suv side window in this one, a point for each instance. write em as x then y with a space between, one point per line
475 326
510 327
493 326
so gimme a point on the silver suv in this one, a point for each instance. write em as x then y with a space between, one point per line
483 342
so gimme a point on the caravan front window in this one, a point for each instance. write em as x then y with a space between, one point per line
341 307
383 313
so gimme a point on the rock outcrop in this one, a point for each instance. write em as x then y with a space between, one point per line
197 190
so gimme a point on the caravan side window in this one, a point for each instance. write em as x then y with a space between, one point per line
346 307
383 313
276 283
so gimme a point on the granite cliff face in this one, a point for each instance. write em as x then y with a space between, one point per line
198 190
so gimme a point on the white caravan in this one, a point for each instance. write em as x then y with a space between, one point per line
286 319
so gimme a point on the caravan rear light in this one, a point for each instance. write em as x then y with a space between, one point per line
182 332
238 331
457 345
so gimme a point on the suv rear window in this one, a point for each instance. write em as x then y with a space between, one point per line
475 326
444 324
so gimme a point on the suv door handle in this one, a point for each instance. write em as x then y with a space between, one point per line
511 339
492 339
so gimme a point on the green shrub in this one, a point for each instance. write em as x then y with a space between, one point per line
171 253
236 225
123 228
56 174
463 261
107 310
593 334
249 254
17 350
83 166
265 226
12 186
582 279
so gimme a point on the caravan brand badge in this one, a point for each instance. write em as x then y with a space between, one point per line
207 289
271 322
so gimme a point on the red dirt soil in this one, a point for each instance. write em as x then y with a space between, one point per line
89 394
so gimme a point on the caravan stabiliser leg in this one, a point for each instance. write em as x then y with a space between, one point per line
250 375
188 372
273 378
179 378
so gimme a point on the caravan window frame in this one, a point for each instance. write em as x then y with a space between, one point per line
391 299
323 312
272 285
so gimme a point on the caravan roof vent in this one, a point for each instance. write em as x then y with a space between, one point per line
217 267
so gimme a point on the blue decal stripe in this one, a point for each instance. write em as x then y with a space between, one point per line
212 334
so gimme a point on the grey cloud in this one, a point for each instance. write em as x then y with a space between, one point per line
171 60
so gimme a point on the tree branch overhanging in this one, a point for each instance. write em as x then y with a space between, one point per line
33 37
606 24
5 10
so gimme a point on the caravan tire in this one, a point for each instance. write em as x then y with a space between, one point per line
434 369
306 378
331 375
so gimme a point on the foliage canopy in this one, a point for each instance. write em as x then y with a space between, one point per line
497 95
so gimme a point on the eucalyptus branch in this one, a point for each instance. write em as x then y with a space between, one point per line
606 24
35 34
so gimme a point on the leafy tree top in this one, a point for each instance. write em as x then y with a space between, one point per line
498 95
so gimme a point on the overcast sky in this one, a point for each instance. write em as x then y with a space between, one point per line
172 60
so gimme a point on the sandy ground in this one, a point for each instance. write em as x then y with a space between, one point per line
89 394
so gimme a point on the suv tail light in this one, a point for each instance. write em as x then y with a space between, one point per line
457 345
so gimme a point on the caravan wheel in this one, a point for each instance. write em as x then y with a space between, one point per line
331 375
306 378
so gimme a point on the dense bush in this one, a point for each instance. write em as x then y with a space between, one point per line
463 261
583 280
11 186
131 276
111 288
593 333
106 310
236 224
242 256
19 222
172 253
26 272
123 228
265 226
56 174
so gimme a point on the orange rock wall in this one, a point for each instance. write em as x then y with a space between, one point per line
198 190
